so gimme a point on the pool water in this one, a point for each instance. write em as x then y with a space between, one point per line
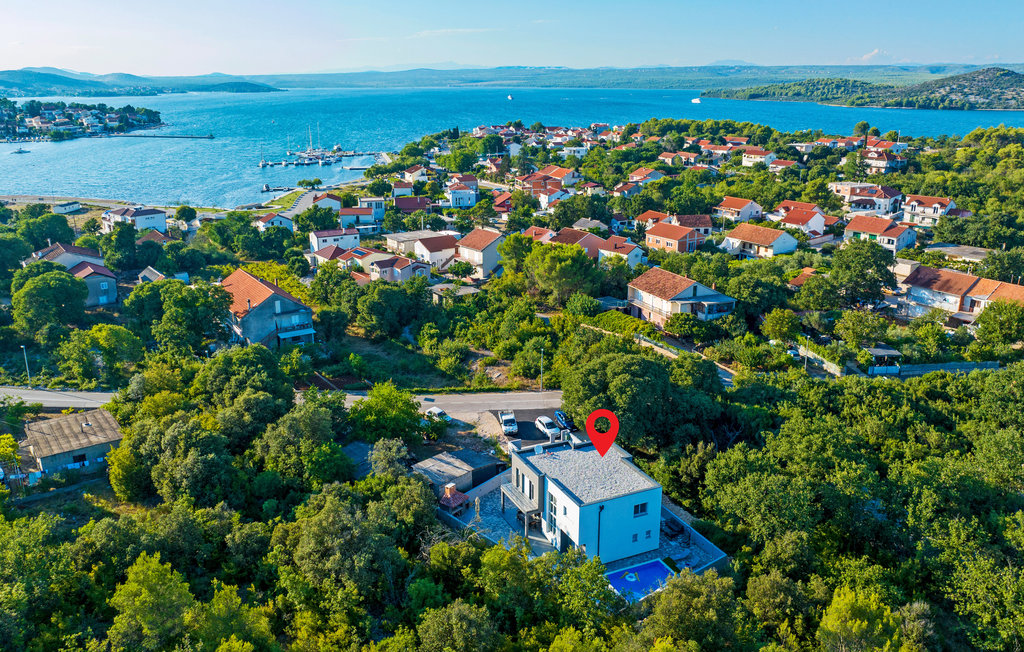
637 582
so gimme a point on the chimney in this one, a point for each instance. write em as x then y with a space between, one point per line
449 490
248 304
49 243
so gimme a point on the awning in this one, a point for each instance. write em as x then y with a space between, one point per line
298 333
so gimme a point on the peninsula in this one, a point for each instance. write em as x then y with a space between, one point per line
60 121
988 88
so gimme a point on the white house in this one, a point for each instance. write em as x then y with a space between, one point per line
401 189
344 238
887 233
272 219
601 504
435 250
479 248
66 207
658 294
641 176
737 209
359 217
925 211
617 246
752 241
143 218
376 204
755 155
328 200
415 173
810 222
460 196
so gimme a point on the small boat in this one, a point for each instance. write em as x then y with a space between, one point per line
695 100
20 150
510 97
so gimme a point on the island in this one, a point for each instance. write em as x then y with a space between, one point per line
988 88
60 121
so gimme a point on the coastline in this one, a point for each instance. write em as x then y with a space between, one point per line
844 106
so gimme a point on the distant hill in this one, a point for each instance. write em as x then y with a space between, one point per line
987 88
865 84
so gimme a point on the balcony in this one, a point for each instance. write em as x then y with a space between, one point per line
292 330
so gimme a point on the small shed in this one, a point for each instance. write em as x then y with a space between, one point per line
71 441
464 468
885 360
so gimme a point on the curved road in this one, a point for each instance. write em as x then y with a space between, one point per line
58 399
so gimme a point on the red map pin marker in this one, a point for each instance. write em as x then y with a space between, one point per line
602 440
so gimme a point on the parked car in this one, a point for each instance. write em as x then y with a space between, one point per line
509 425
565 421
438 413
547 427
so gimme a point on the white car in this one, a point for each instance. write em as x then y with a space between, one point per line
438 413
546 426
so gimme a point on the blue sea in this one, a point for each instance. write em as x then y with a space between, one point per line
223 172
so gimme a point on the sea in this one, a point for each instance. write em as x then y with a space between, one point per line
223 173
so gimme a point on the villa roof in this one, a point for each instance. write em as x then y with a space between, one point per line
330 252
875 225
538 232
331 233
670 231
799 217
248 291
56 250
649 215
694 221
759 235
135 211
661 283
479 239
439 243
945 281
155 236
85 269
789 204
734 203
927 200
266 219
587 475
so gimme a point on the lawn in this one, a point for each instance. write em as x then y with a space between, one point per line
75 504
286 201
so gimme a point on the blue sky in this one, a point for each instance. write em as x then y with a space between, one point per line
261 36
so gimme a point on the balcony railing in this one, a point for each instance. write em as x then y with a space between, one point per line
284 329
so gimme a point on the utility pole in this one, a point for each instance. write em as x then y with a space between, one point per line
542 367
27 373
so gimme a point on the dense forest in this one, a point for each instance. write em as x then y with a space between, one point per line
989 88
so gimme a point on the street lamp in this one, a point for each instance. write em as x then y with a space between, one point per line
27 372
541 368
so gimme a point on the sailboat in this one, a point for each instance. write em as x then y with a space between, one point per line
263 161
510 97
695 100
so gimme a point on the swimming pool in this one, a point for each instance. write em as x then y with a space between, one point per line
637 582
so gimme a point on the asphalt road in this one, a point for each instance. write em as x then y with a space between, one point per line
54 399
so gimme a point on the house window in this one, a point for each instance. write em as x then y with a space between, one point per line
636 537
517 478
277 306
648 535
530 482
552 510
640 510
104 285
78 459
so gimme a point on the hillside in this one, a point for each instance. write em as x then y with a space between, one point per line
726 75
988 88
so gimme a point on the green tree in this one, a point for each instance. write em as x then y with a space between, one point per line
387 412
32 270
119 249
105 352
383 310
193 317
460 269
379 188
53 299
185 214
45 230
860 270
582 305
1001 323
696 610
781 324
557 271
513 251
859 328
315 218
151 607
856 621
457 627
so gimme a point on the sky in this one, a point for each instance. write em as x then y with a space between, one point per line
188 37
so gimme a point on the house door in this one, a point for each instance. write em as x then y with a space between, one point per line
564 542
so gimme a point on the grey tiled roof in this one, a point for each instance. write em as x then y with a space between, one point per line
587 475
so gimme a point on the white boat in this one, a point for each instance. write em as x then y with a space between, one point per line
509 97
695 100
20 151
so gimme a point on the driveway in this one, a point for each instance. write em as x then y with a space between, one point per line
58 399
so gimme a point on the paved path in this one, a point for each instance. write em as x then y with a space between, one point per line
302 202
57 399
475 403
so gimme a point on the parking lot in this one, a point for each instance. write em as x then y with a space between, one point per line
525 418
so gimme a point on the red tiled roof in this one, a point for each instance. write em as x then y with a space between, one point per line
799 217
759 235
805 273
925 200
941 280
479 239
648 216
661 283
266 219
670 231
789 204
735 203
54 251
694 221
570 236
1008 292
538 232
330 252
438 243
246 289
155 236
330 233
355 210
617 244
84 270
875 225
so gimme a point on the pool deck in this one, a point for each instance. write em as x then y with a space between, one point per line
502 528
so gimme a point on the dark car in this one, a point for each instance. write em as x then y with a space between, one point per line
565 421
